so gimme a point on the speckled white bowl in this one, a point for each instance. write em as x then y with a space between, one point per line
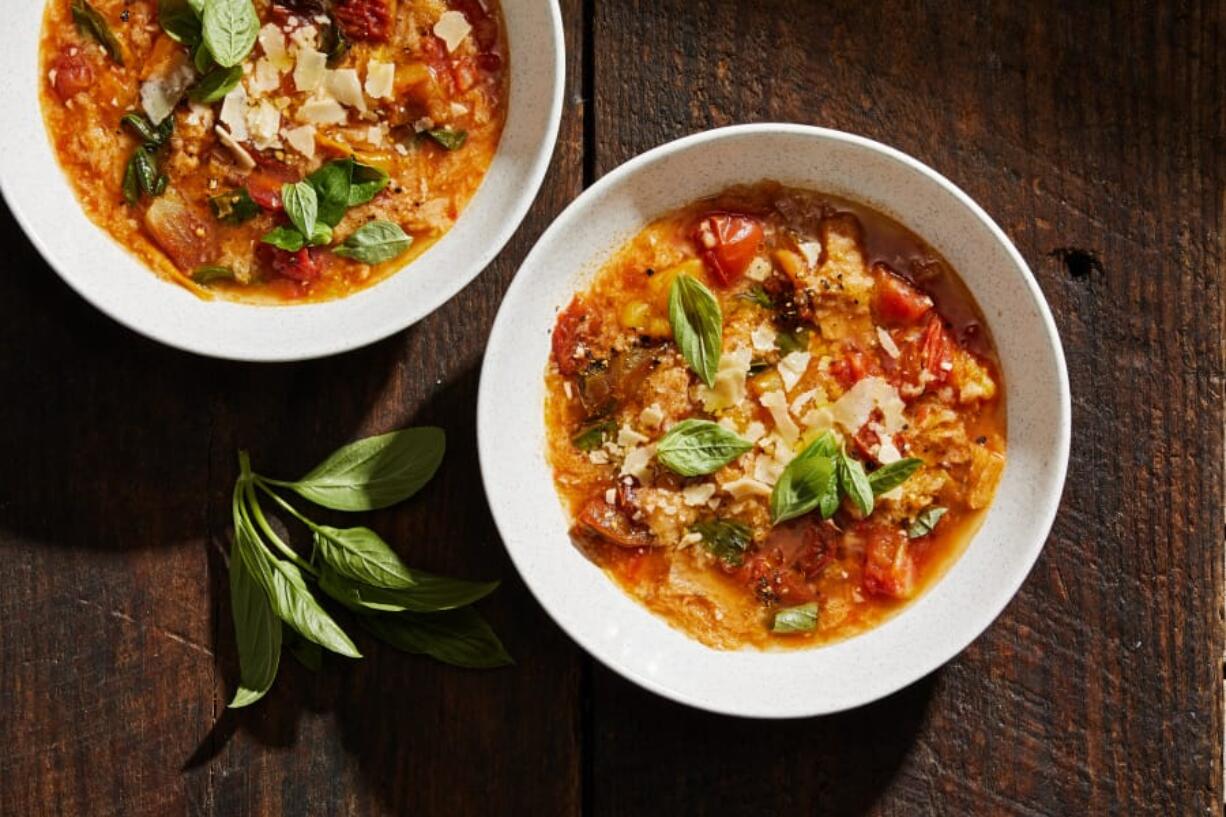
113 280
626 636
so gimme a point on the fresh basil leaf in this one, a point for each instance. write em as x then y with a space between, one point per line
796 340
91 22
151 136
888 477
209 274
284 238
332 183
197 6
592 437
926 522
180 21
308 653
448 138
216 84
131 184
146 171
854 483
322 235
234 206
202 59
301 206
804 485
799 619
375 242
360 554
375 472
298 608
458 637
757 294
366 182
429 593
696 447
229 28
257 630
698 325
725 538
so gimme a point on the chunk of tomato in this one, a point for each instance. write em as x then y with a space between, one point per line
937 350
896 302
364 19
889 569
728 243
302 266
264 186
568 337
73 75
610 524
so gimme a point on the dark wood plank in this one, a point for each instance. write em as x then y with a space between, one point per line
116 648
1094 134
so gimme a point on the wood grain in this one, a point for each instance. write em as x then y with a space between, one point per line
1093 133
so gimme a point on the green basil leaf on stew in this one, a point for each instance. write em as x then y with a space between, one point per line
698 325
301 205
805 483
284 238
888 477
362 555
180 21
695 447
366 182
374 472
90 21
146 171
131 184
449 138
799 619
203 60
322 235
257 630
216 84
145 131
209 274
725 538
230 28
459 637
332 183
234 206
854 483
429 594
197 6
926 522
757 294
796 340
592 437
375 242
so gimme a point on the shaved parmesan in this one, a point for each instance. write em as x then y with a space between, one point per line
729 388
264 125
767 469
306 37
887 343
266 77
343 84
759 269
159 95
310 69
637 463
798 404
763 338
652 416
380 79
853 409
234 113
627 437
776 402
700 494
811 250
240 153
793 367
746 487
322 110
754 431
272 40
452 28
888 452
689 539
818 419
302 139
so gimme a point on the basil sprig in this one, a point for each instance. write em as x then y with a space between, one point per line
229 29
799 619
449 138
216 84
593 436
89 20
696 447
301 206
853 482
810 480
926 522
888 477
375 242
272 585
725 538
698 325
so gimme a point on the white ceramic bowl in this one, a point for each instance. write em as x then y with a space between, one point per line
626 636
123 287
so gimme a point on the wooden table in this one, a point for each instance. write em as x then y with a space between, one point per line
1092 132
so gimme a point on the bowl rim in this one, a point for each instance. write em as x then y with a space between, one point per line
927 662
356 334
